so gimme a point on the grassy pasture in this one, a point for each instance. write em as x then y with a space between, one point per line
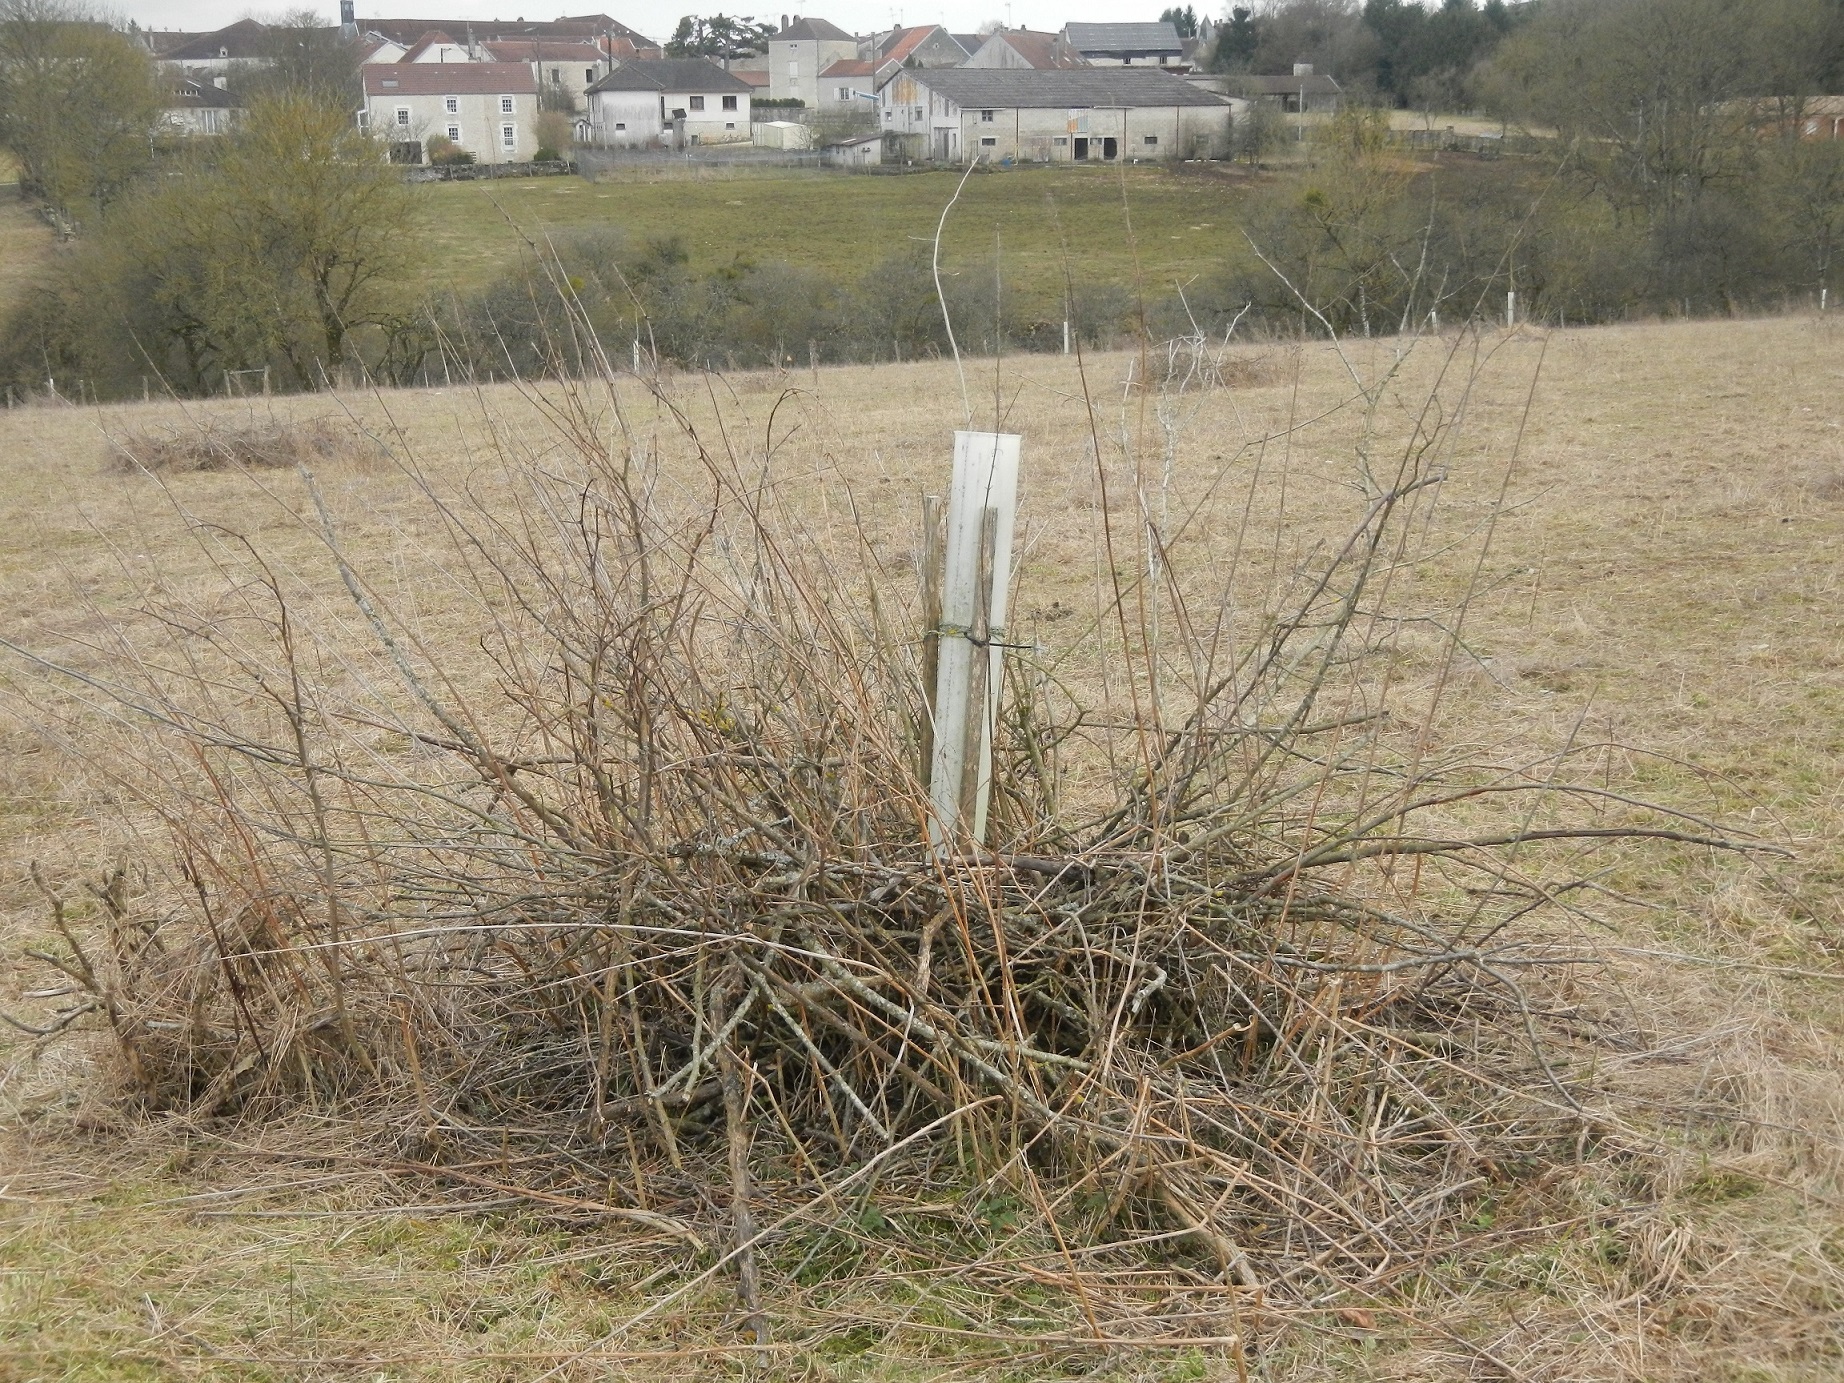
1663 581
25 244
1172 225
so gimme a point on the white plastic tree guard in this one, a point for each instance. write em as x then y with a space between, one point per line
975 586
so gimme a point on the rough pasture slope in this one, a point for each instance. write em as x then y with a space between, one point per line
1663 580
1182 221
25 244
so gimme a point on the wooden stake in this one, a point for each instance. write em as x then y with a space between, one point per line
932 558
985 478
981 685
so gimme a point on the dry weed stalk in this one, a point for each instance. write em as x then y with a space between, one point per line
642 882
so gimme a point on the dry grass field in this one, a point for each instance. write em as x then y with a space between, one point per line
1634 565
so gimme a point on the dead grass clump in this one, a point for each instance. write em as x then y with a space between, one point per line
210 445
1261 1015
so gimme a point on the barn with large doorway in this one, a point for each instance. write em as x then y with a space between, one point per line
957 114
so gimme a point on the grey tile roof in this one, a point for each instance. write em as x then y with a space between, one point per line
1018 88
670 74
1123 38
812 30
247 38
1313 85
202 96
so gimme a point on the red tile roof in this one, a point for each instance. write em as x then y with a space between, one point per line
449 79
1042 51
846 67
903 42
544 50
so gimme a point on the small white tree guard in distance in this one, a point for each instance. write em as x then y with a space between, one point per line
985 482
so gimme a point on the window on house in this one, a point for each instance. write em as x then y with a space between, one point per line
918 115
364 120
731 125
845 93
505 105
1060 141
454 133
556 76
620 125
986 117
988 142
1152 139
1126 62
729 103
588 74
451 104
403 116
508 137
390 81
794 69
697 103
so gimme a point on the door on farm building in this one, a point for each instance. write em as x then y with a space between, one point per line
1110 146
1081 148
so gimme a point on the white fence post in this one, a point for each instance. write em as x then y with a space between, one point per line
982 510
1511 308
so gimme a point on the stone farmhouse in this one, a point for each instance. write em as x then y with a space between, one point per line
848 85
799 52
489 109
668 103
214 53
926 45
955 115
565 67
1125 45
1025 48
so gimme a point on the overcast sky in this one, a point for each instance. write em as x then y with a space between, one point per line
658 21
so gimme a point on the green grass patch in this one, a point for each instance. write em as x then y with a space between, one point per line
1120 225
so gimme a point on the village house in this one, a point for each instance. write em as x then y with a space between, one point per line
215 53
954 115
1125 45
615 38
565 68
1301 92
848 85
375 49
668 103
488 109
1024 49
926 45
802 50
437 46
199 106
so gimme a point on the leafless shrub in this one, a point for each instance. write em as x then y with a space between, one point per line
641 885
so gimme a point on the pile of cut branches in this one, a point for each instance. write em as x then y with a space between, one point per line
643 880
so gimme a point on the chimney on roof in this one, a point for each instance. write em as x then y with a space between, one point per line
784 21
348 25
1302 69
